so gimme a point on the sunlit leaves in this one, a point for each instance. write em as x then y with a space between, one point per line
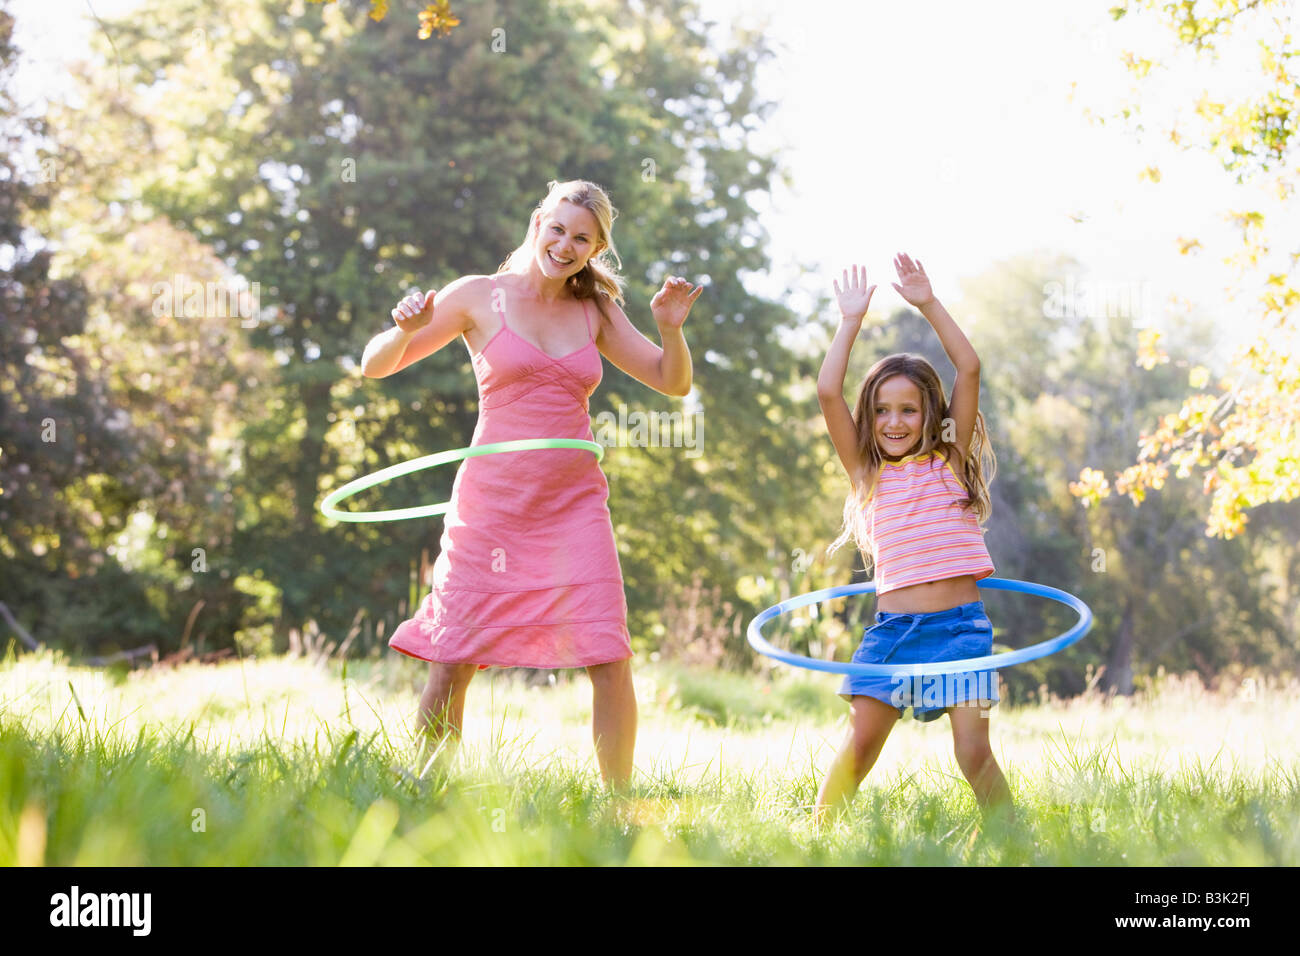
1149 352
1246 438
1091 487
436 17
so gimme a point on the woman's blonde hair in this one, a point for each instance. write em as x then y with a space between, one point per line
600 274
976 473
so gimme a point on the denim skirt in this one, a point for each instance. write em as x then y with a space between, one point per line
957 633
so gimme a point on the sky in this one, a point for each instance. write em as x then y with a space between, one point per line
957 132
954 131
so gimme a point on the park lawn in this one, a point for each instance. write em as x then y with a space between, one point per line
286 761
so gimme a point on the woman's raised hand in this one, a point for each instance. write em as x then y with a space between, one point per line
916 284
415 311
855 295
673 302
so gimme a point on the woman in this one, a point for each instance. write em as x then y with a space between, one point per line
528 573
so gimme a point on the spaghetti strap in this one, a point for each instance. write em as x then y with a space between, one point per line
586 317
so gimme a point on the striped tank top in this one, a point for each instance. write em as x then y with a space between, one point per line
916 526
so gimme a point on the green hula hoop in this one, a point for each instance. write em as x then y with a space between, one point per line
429 461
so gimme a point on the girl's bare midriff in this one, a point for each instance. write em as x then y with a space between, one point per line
931 596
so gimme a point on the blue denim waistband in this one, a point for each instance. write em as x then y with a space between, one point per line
973 609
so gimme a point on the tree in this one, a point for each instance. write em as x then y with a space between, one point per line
1060 388
338 162
1242 433
119 408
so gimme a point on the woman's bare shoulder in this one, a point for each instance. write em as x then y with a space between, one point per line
471 296
474 287
613 315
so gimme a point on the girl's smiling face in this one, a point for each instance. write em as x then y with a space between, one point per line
566 239
898 417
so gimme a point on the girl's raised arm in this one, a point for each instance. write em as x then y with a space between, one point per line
853 299
964 405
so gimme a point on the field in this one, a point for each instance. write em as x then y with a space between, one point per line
290 761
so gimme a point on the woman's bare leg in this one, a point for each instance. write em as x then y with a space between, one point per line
442 706
613 720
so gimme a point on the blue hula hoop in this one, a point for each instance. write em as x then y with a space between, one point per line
988 662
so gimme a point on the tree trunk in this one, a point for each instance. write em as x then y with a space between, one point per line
1119 670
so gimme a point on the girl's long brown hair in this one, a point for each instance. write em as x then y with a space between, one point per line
979 464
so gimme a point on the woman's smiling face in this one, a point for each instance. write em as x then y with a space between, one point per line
898 417
566 239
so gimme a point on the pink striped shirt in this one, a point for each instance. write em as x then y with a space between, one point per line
916 528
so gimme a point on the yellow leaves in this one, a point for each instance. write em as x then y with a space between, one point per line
1273 353
1246 221
1149 353
1251 456
378 8
1091 487
1281 297
1243 436
1136 479
1231 497
1186 459
1139 66
1197 411
1225 521
1207 108
750 589
1150 174
437 16
1268 61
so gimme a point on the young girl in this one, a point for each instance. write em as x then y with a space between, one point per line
919 496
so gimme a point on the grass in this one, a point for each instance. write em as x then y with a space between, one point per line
282 762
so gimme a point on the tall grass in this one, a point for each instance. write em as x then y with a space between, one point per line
283 761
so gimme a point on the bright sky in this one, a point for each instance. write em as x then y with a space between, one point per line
946 129
940 127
